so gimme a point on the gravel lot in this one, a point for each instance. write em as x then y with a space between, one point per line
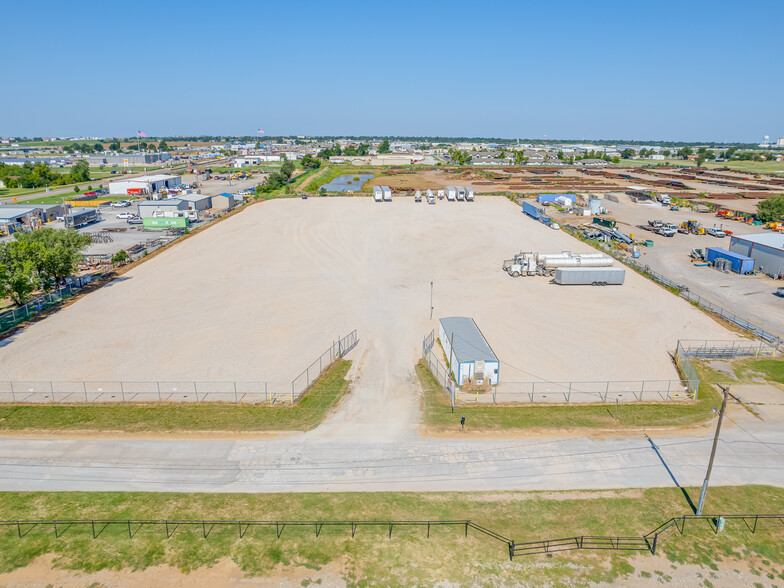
262 294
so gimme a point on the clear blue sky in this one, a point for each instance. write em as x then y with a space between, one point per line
680 70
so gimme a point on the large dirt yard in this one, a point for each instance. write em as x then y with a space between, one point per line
262 294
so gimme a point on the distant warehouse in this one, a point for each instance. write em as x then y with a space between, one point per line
144 184
766 249
471 357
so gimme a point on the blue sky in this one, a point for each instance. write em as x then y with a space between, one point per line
693 70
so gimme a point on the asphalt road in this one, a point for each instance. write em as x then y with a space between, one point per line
751 451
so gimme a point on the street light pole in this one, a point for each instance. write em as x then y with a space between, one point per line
431 301
713 450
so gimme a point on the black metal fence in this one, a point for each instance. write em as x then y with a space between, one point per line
648 542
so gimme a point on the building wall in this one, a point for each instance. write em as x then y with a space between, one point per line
222 202
766 259
121 187
149 211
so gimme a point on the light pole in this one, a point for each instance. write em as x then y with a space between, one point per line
431 301
713 450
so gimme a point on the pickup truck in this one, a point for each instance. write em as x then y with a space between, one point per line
667 231
716 232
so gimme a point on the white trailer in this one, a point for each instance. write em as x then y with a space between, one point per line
590 276
418 196
542 264
469 194
440 194
378 194
387 193
460 193
451 193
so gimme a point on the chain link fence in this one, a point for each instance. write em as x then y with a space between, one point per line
338 349
724 349
13 317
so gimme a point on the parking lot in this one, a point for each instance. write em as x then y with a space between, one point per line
750 297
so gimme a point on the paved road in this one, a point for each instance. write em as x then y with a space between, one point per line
751 452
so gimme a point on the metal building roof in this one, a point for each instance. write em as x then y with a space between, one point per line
774 240
469 343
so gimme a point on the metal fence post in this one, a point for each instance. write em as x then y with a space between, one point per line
122 391
13 394
158 384
569 394
51 390
236 400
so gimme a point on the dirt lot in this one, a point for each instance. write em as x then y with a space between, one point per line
262 294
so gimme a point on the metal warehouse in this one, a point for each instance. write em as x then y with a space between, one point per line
159 208
147 184
470 356
767 250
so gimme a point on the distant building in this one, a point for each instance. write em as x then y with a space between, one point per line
121 160
767 250
147 184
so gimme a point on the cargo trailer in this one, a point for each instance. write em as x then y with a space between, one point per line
460 192
451 193
440 194
387 193
378 194
533 211
469 194
593 276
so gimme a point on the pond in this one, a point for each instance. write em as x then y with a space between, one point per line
346 182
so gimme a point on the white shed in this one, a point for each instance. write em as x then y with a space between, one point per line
471 358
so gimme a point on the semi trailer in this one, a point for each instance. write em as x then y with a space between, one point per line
594 276
527 263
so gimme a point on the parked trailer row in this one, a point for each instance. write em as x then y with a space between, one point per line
382 193
453 193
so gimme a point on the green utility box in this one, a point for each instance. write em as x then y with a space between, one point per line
648 243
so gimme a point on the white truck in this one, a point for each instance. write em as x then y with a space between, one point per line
527 263
460 193
469 194
440 194
378 194
451 193
418 196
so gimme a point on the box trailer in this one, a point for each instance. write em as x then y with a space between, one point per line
740 263
594 276
440 194
378 194
469 194
460 192
80 218
386 193
451 193
533 211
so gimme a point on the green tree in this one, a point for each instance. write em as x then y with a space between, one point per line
80 172
771 209
162 146
120 257
627 153
684 152
666 153
520 158
98 147
287 168
384 147
115 146
700 159
309 162
18 263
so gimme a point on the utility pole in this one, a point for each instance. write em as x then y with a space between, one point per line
713 450
431 301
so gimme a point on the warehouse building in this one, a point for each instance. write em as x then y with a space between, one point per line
196 200
470 356
161 208
223 201
147 184
122 160
247 160
767 250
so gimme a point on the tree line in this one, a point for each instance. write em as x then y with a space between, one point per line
351 150
38 260
39 175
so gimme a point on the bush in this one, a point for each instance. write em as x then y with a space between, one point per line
76 189
120 257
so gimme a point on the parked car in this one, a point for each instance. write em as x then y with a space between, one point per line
780 292
716 232
125 215
121 203
135 220
667 231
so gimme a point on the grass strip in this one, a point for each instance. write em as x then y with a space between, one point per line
303 416
408 558
438 412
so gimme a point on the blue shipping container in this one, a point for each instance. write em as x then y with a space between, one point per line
740 263
532 211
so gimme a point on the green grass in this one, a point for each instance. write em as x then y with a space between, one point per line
408 558
438 412
303 416
333 171
771 369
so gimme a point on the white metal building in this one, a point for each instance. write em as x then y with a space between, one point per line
148 184
157 208
196 200
767 250
471 357
248 160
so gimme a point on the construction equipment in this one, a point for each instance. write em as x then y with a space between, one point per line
527 263
693 227
697 254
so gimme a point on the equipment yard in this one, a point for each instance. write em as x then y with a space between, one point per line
260 295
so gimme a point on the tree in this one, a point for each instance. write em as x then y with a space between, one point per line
287 168
17 261
771 209
162 146
115 146
384 147
520 158
309 162
666 153
684 152
80 172
560 155
627 153
700 159
120 257
98 147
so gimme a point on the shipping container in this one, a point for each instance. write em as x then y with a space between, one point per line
460 192
378 195
740 263
590 276
469 194
533 211
610 224
165 223
451 193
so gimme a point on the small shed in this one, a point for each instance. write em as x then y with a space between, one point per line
471 358
159 208
223 201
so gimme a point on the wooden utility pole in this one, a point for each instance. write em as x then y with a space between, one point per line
713 450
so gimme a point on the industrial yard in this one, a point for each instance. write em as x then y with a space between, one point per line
263 293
